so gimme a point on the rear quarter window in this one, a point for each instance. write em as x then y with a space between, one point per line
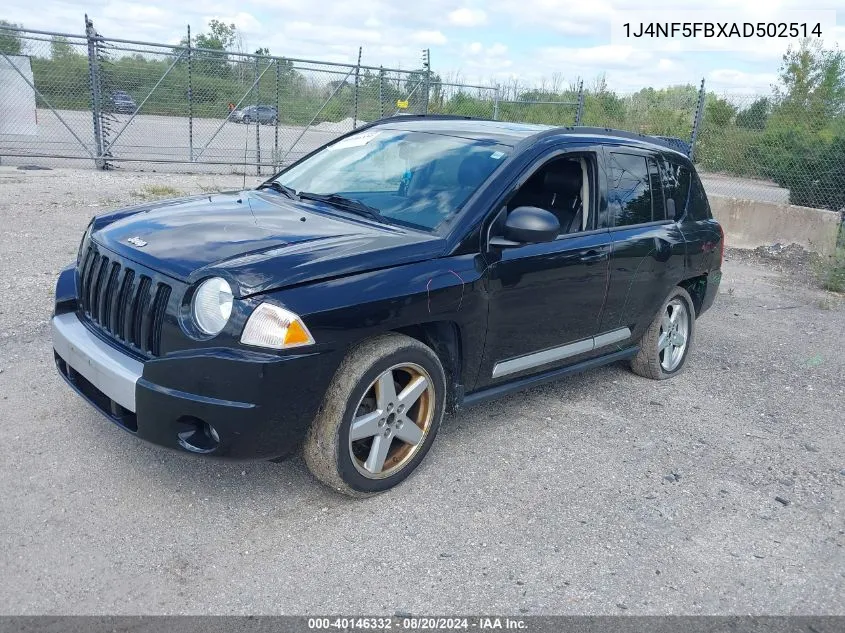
699 207
676 179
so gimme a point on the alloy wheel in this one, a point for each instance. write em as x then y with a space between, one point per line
392 421
674 335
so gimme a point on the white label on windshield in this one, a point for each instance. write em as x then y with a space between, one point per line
356 140
497 155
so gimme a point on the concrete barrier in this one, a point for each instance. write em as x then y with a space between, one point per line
749 224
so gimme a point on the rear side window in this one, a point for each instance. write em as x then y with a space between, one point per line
676 185
629 198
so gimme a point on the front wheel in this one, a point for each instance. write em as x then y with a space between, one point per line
247 120
666 343
379 417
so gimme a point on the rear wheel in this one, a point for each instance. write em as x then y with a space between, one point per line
379 417
666 343
247 120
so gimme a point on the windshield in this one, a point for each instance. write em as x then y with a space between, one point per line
412 178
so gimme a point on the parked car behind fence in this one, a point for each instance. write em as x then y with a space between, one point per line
255 114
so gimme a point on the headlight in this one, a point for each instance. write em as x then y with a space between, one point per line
272 326
212 305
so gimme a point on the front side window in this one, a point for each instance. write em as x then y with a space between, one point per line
414 178
629 198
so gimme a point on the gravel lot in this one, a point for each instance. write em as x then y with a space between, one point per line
602 494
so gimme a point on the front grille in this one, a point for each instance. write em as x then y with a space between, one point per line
126 304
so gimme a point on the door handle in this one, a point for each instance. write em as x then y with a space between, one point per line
593 256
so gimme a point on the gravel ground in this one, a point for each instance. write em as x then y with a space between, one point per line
718 492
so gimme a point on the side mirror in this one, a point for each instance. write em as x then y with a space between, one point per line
528 225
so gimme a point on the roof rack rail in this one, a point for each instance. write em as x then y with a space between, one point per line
669 142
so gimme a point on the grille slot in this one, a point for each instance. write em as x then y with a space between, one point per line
125 304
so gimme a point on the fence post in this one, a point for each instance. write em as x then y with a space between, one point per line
278 114
696 124
496 97
257 90
381 91
94 81
579 113
357 84
190 100
427 68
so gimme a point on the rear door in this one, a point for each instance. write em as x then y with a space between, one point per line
648 247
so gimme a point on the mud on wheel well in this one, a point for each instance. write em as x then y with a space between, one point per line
696 287
444 338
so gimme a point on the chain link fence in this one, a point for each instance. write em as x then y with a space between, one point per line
67 97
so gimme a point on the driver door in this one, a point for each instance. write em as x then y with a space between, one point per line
546 300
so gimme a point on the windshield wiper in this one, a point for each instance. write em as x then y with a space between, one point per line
347 204
277 186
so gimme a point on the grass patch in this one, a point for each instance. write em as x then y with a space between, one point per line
157 192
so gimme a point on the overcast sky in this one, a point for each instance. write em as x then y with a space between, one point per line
484 41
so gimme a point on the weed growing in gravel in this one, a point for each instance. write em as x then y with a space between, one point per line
156 192
831 271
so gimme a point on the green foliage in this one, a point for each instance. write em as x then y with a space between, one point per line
10 41
719 112
831 271
61 48
812 90
754 117
221 36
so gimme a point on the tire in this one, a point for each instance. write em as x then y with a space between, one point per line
351 465
274 121
651 361
246 120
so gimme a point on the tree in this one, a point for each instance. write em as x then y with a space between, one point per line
213 60
61 48
220 37
719 112
10 41
812 84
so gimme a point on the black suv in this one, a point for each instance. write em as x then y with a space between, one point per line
416 265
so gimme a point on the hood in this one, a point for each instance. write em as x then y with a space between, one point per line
257 240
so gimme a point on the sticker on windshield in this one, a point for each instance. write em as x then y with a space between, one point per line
357 140
497 155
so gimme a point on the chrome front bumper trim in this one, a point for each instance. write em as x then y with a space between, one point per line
108 369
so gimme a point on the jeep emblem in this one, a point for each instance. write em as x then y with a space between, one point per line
136 241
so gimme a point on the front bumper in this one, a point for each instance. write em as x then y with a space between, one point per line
226 402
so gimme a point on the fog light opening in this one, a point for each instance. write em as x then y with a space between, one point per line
197 436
